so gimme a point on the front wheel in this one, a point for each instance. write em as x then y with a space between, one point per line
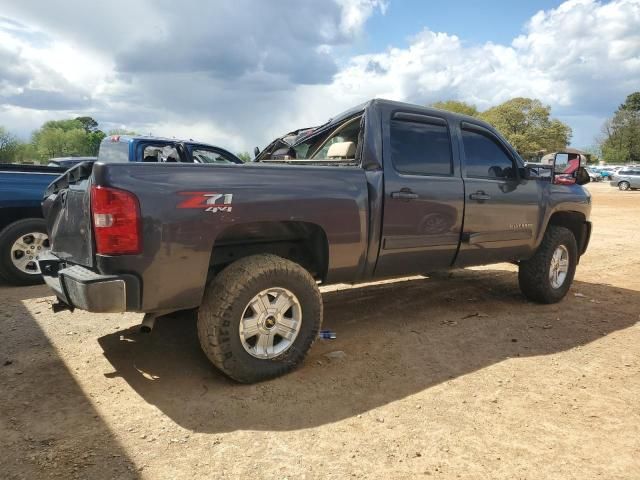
624 186
546 277
259 317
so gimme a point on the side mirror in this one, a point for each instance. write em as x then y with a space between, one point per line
582 176
561 163
256 152
569 171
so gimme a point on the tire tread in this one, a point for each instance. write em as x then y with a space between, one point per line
217 308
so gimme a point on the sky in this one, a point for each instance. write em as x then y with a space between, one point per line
240 73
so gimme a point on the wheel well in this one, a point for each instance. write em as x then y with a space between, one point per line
574 221
10 215
301 242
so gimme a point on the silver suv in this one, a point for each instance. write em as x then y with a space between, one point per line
627 179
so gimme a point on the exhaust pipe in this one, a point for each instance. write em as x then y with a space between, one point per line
148 322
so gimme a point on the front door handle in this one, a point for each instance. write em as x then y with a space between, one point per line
480 196
404 194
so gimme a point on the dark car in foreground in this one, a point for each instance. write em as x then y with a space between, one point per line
383 190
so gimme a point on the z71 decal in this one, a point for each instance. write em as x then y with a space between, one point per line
207 201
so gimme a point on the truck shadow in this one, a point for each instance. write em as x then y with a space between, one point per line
399 338
48 426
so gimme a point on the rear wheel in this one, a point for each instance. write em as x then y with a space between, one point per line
21 245
624 186
546 277
259 317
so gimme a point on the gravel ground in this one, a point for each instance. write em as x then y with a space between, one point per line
455 377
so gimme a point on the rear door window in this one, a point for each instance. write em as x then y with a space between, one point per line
420 148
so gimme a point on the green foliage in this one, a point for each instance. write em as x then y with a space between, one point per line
88 123
457 107
244 156
56 138
527 125
8 145
65 138
53 141
621 141
93 140
26 152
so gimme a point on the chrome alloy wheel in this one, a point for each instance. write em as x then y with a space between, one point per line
26 251
559 266
270 323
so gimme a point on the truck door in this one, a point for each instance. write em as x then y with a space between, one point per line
502 210
423 195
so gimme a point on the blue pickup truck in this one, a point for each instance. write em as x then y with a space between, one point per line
23 232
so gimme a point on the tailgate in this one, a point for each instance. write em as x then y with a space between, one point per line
66 209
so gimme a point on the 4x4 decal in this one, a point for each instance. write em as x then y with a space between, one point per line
208 201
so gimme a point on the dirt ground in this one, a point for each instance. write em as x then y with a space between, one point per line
441 378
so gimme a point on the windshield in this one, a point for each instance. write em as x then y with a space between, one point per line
209 156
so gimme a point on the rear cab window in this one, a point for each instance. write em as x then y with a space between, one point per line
114 151
420 145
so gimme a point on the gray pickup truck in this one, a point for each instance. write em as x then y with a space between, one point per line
383 190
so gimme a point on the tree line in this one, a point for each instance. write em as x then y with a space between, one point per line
75 137
78 137
525 122
620 140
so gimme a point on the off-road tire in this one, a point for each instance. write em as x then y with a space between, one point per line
8 271
533 275
223 305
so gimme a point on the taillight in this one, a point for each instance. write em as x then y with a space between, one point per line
116 221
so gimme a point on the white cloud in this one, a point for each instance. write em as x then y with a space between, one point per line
583 58
240 74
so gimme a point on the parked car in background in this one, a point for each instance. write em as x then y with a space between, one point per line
126 148
594 175
23 232
627 179
68 162
607 172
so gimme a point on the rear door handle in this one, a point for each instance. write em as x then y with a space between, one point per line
480 196
404 195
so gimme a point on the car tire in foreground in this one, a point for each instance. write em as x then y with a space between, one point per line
259 317
546 277
624 186
21 244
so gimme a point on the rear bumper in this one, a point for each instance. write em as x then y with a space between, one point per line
85 289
